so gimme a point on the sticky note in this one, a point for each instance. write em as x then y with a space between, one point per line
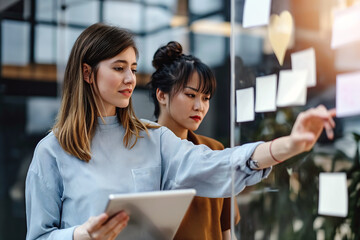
347 94
245 105
265 96
292 88
256 13
346 26
305 60
333 196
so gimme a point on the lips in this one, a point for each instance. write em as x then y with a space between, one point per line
127 92
196 118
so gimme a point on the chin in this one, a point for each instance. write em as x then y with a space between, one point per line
123 105
193 128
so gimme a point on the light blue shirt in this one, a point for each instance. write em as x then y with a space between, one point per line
62 191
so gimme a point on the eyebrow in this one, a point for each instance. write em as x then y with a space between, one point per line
124 61
196 90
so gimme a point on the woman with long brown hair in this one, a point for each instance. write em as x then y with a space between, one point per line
98 147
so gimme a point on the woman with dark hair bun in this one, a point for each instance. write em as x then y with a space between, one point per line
181 89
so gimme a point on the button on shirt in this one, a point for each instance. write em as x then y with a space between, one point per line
62 191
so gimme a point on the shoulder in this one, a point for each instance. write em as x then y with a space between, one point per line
45 153
210 142
156 131
149 122
44 168
48 143
154 127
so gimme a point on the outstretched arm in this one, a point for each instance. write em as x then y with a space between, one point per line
305 132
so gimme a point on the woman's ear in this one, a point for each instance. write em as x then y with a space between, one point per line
86 70
161 96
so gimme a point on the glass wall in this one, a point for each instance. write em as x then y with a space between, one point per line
274 43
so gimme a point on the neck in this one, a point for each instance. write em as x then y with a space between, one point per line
174 127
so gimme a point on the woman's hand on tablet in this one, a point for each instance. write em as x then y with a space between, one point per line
101 227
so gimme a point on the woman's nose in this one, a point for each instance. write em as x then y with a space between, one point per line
129 77
198 105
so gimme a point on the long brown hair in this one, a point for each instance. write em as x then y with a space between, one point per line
77 118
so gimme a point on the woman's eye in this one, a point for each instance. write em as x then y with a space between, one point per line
190 95
207 98
134 71
118 68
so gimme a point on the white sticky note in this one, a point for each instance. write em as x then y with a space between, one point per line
256 13
305 60
333 195
347 94
346 26
245 105
292 88
265 96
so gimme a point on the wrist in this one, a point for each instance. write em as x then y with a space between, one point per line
293 147
276 159
283 148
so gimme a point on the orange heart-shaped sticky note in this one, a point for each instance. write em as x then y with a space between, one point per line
280 30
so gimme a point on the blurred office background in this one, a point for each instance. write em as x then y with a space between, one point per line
36 37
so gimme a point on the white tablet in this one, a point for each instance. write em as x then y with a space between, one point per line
153 215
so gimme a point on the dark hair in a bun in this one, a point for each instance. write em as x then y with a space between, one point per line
165 55
174 70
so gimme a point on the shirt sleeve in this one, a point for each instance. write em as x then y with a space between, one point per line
185 165
43 191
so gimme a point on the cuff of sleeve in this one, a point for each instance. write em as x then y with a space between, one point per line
244 174
241 155
69 233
